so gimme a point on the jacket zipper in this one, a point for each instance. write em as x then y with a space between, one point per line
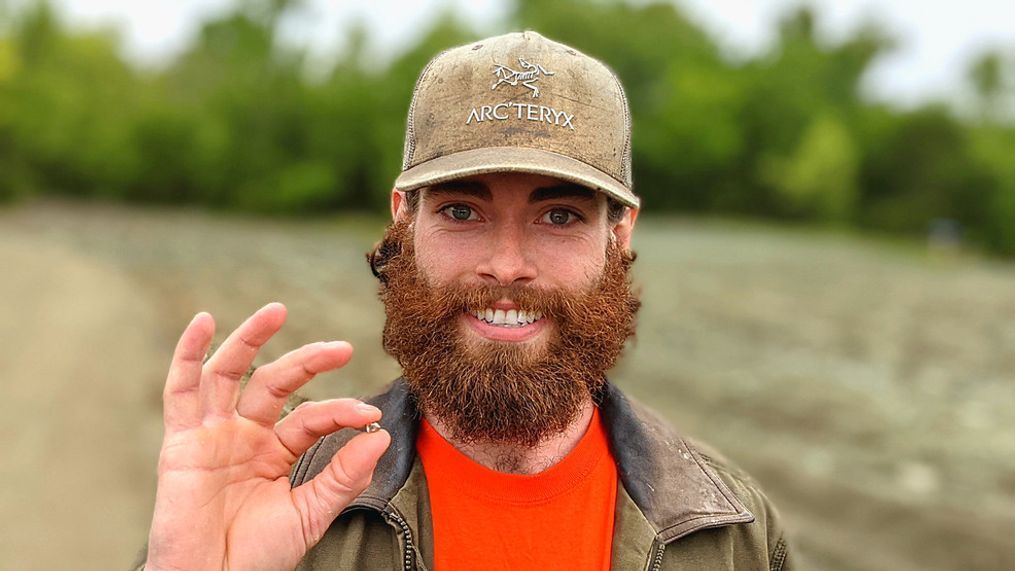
657 559
408 549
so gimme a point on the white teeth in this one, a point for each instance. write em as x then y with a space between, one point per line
509 318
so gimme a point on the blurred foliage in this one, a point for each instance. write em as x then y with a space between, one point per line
237 122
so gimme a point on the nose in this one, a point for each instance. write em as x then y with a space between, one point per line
508 261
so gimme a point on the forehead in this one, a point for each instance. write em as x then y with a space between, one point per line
518 186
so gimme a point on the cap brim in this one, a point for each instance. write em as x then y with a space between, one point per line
513 159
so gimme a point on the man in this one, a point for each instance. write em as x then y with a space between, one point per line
505 281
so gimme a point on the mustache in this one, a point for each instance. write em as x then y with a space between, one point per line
456 298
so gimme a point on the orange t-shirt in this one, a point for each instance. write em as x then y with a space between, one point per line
561 518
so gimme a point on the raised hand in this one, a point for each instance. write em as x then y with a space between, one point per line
223 499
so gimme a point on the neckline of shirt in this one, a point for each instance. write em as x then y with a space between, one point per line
471 478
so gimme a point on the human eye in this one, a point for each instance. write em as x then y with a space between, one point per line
560 217
460 212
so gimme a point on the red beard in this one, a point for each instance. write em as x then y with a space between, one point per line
498 392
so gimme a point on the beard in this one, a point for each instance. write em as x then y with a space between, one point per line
500 392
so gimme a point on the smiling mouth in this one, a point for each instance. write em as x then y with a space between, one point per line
507 318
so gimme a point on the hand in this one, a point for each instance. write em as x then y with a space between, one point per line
223 498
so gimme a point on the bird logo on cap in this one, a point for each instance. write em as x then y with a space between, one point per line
528 76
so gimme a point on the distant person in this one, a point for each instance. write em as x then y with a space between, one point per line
505 281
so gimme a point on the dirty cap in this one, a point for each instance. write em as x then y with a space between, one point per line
519 103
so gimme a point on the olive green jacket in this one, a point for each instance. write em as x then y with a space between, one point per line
677 508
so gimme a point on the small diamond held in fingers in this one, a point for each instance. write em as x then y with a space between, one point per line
372 427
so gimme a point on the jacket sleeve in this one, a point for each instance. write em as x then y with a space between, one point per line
781 560
780 557
779 553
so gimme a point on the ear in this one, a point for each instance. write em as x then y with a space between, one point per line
622 230
398 205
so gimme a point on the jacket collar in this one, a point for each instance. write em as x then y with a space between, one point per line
665 477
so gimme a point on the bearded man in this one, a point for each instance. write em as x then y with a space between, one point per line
505 282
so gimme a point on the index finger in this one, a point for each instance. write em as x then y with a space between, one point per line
181 405
220 383
271 384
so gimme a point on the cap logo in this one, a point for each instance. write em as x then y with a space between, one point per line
528 76
526 111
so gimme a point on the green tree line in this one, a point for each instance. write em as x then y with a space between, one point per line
237 122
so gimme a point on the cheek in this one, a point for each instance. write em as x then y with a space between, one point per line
443 257
571 263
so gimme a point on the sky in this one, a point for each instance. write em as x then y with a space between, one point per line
937 38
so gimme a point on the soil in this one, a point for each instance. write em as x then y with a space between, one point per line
868 385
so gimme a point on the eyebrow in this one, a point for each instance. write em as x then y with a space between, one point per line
561 191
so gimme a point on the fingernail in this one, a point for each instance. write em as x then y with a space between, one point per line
367 409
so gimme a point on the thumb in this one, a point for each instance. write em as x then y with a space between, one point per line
320 500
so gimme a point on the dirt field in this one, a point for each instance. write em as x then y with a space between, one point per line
869 386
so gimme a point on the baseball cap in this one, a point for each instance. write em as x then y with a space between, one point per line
519 103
